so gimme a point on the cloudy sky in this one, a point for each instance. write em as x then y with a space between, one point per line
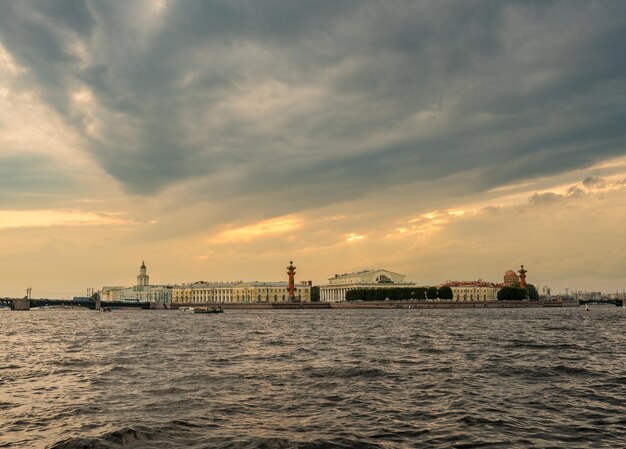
218 140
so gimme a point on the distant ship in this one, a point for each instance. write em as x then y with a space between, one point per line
201 309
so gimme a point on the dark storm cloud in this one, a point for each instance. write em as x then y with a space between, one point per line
391 92
31 175
594 181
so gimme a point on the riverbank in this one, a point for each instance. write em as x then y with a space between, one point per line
390 305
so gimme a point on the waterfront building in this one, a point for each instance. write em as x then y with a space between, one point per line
340 284
141 292
272 292
239 292
143 280
511 278
203 292
243 292
111 293
474 290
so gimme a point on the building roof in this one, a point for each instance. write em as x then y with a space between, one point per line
268 284
478 283
238 284
360 273
208 284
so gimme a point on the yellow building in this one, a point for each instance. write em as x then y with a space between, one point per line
238 292
474 290
203 292
270 292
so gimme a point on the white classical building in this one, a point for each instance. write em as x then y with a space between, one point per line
340 284
141 292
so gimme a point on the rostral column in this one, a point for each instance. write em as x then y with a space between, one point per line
522 277
291 272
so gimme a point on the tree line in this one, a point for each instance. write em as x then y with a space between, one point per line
517 293
399 294
444 292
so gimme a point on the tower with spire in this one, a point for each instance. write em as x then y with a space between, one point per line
143 280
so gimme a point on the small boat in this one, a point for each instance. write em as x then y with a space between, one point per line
586 308
186 309
208 310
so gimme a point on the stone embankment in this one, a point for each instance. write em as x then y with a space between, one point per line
452 304
391 305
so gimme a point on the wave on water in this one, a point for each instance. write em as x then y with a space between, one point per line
126 437
346 372
11 366
280 380
146 438
6 405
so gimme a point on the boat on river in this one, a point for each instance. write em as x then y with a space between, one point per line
201 309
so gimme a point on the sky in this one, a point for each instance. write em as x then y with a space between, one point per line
218 140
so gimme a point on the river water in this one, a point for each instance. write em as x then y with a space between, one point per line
314 379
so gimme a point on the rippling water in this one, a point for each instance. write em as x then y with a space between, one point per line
313 379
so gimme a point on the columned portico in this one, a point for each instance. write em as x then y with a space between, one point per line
341 284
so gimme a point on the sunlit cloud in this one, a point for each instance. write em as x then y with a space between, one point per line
48 218
7 63
612 163
266 228
354 237
435 221
458 212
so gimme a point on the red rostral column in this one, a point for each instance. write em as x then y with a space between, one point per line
291 273
522 277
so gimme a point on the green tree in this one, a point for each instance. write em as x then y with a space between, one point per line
315 294
505 293
419 293
512 294
393 294
351 295
432 293
533 295
445 292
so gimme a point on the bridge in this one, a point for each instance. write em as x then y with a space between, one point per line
615 302
27 304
